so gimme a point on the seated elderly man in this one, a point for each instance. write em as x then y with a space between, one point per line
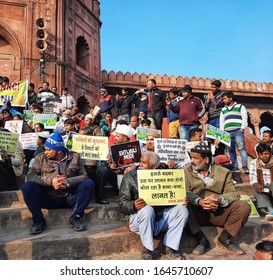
148 221
213 201
57 179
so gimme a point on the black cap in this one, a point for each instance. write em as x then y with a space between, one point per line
187 88
216 83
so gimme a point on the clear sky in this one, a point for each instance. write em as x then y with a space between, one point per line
228 39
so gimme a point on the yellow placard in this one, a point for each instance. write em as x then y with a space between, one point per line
162 186
254 212
16 93
90 147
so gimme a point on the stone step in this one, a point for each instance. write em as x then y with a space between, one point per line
102 241
20 217
12 199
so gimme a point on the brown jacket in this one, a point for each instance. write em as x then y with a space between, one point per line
44 170
222 184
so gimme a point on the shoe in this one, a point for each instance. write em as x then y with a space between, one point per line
230 247
146 254
235 169
76 223
264 210
245 170
174 255
269 216
201 248
37 228
102 201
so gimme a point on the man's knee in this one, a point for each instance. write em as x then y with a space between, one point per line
87 185
182 210
242 207
29 187
146 212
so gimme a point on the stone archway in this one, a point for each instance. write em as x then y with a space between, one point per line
10 54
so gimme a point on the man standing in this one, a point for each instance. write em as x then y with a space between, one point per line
213 201
106 101
214 104
124 104
155 102
68 101
173 120
190 110
148 221
57 179
233 119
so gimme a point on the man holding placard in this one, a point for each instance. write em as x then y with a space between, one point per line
213 201
148 221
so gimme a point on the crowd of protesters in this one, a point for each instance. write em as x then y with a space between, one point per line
72 182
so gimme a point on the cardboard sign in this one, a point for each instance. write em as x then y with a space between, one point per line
90 147
161 187
254 212
216 133
29 140
142 133
170 149
8 142
14 126
48 120
125 154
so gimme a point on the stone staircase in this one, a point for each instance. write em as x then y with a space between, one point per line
106 236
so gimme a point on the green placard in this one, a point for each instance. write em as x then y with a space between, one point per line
216 133
8 142
48 120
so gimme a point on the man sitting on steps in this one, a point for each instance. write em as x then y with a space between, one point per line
148 221
213 201
57 179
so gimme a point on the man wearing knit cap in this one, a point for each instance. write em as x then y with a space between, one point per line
57 179
213 201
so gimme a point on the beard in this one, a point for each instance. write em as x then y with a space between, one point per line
199 167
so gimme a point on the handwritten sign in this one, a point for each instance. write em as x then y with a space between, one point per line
16 93
125 154
170 149
48 120
216 133
8 142
161 187
142 133
254 212
14 126
90 147
29 140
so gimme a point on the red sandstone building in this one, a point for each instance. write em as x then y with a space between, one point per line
59 41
